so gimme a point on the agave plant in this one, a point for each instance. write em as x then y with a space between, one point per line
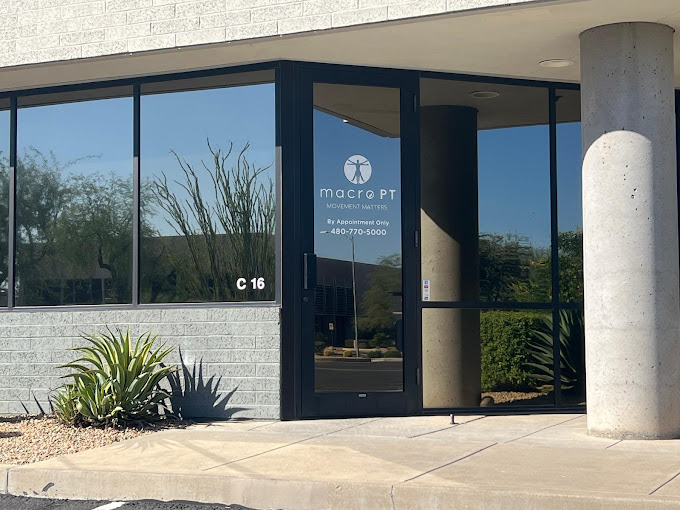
115 380
571 336
64 404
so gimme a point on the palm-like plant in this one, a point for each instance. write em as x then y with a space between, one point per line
572 361
115 380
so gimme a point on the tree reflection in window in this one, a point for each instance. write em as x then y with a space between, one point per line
74 233
227 230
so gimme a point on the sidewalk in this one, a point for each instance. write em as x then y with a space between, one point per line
511 462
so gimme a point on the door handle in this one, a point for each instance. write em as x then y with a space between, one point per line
308 271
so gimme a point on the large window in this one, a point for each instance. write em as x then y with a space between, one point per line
162 192
207 190
500 213
74 198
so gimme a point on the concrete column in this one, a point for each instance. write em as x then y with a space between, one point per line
450 255
630 224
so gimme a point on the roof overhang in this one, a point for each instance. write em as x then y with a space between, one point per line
504 41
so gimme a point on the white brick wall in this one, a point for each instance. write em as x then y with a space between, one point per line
36 31
235 349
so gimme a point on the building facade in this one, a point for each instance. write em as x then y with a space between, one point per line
348 207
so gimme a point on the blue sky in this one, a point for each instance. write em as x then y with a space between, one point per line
185 121
513 163
101 129
180 121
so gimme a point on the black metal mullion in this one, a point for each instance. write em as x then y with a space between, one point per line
12 233
289 139
554 248
410 213
135 192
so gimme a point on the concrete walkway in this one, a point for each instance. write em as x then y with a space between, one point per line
522 462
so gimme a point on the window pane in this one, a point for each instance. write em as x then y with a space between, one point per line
487 357
485 192
514 200
207 191
74 199
357 239
570 216
517 360
4 197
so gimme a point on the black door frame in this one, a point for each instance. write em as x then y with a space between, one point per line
295 93
293 145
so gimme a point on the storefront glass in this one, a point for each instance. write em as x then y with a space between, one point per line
208 203
357 238
74 198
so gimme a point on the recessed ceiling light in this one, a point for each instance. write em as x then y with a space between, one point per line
345 121
484 94
556 62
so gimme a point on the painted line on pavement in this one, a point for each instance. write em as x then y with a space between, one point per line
110 506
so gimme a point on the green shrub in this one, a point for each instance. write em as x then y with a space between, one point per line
319 347
349 343
348 354
116 380
392 352
505 337
380 340
374 354
64 404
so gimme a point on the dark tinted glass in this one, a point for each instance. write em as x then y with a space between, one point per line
517 357
357 239
485 181
4 198
570 217
494 357
572 357
207 191
74 199
514 199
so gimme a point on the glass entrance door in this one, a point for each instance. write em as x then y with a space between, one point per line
357 345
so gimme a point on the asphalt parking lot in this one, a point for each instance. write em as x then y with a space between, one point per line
21 503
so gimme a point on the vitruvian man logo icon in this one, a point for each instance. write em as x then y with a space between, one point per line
358 169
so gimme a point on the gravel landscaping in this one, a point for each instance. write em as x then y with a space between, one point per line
29 439
518 397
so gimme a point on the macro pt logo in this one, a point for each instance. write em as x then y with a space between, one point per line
358 169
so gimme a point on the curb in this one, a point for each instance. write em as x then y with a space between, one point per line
4 477
303 494
248 492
